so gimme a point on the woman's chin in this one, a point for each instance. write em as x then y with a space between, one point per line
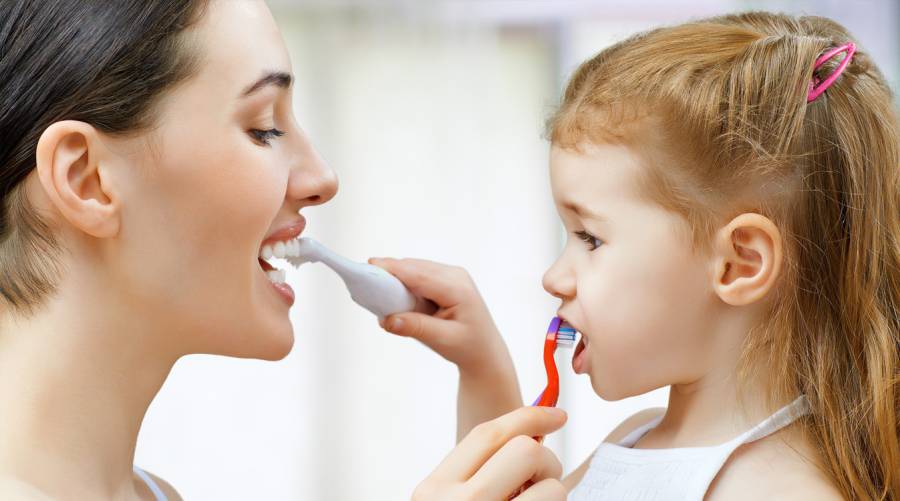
269 342
274 346
280 351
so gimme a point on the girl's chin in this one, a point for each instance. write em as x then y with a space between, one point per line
606 391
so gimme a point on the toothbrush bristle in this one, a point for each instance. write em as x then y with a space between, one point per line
565 336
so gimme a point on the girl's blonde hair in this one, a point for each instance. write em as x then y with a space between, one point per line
718 108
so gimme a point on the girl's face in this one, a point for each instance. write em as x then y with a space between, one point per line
203 192
627 278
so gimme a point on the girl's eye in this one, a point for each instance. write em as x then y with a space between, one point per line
589 239
265 136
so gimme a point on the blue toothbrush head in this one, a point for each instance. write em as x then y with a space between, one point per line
565 336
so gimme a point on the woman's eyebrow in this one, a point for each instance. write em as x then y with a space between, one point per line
278 78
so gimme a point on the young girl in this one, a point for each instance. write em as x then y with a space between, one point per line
730 188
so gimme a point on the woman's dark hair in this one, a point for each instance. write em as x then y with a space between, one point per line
103 62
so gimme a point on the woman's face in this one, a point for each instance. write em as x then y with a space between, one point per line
628 278
203 191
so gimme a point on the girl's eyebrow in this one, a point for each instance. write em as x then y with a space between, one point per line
582 211
278 78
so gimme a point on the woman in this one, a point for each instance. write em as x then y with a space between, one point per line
148 151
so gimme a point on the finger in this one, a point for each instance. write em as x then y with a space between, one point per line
438 282
487 438
520 460
432 331
550 489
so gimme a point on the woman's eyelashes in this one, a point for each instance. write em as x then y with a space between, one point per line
592 241
265 136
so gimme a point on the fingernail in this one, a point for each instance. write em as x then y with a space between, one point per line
396 324
552 410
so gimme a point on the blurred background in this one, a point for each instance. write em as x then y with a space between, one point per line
432 114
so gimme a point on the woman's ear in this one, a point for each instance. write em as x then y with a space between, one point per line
73 175
748 259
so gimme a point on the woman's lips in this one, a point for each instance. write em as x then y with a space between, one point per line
288 232
285 291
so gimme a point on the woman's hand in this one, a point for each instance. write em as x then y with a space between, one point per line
463 332
497 458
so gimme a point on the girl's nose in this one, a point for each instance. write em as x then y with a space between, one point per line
559 281
312 182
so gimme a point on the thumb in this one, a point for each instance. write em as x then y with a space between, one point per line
425 328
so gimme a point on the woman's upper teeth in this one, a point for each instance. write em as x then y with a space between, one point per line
280 249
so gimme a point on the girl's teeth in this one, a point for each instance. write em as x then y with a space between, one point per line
266 252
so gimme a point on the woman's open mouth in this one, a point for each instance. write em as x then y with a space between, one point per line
278 246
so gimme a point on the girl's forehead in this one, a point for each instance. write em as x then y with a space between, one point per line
605 172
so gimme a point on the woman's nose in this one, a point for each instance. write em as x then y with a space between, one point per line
312 182
559 281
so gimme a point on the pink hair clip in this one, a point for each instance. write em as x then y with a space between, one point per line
816 86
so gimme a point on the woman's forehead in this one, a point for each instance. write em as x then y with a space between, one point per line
239 41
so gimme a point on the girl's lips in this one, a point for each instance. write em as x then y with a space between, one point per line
580 361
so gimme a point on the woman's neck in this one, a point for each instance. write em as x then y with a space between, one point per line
75 382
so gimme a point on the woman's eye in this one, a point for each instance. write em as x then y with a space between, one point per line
265 136
589 239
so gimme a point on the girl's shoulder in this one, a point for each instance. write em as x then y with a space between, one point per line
628 425
781 466
15 489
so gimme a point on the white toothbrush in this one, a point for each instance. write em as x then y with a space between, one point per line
370 286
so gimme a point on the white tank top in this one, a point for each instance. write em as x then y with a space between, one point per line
619 472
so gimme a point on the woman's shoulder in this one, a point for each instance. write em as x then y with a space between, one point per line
13 489
777 467
628 425
165 487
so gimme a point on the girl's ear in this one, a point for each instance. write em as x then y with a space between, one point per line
74 177
748 255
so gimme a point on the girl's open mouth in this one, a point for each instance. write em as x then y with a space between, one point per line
579 358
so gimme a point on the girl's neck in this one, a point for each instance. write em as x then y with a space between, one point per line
716 406
75 383
710 411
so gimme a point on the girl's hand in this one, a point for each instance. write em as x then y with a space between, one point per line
463 332
497 458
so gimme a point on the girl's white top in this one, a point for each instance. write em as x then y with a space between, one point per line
619 472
